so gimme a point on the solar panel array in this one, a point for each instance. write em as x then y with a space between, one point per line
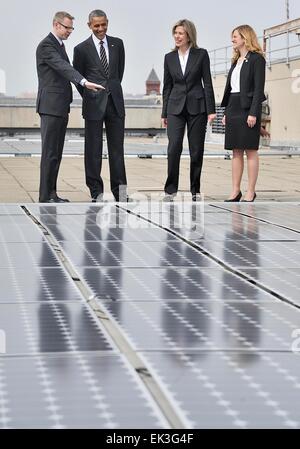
206 295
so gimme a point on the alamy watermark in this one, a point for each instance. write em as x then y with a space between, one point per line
296 341
2 342
178 214
296 81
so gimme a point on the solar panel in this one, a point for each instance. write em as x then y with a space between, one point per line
206 295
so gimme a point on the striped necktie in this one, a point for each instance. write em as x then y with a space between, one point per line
103 58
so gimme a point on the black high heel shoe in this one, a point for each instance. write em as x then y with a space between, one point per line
237 199
251 201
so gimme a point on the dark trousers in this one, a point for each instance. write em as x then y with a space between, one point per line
53 131
114 126
196 129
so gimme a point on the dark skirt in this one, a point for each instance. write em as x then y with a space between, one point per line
238 135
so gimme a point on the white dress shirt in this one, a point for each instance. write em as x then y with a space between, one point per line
183 60
235 78
105 45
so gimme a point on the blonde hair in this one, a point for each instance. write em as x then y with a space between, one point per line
251 41
190 30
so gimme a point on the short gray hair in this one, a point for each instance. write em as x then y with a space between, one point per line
96 13
60 15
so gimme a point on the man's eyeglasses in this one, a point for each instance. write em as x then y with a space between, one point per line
67 28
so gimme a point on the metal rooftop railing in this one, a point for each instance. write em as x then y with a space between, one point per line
281 44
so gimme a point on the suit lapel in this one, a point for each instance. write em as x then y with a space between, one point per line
244 70
54 40
245 66
64 53
94 54
229 75
176 63
57 45
193 56
112 54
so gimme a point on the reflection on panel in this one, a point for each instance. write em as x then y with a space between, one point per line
94 232
284 282
36 284
135 254
282 214
248 229
148 284
208 325
237 390
74 392
20 255
69 209
253 254
13 233
51 327
217 343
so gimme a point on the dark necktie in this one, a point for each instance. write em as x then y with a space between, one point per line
103 58
62 45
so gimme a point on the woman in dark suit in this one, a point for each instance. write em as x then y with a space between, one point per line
188 100
243 97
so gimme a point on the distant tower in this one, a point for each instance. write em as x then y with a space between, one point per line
2 82
153 84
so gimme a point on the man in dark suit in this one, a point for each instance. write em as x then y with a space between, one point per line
53 101
101 58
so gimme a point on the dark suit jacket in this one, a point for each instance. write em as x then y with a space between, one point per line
54 74
252 84
194 88
87 61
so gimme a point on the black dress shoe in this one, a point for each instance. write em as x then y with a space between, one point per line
55 200
61 200
237 199
250 201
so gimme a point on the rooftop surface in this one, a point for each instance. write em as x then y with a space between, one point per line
19 180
